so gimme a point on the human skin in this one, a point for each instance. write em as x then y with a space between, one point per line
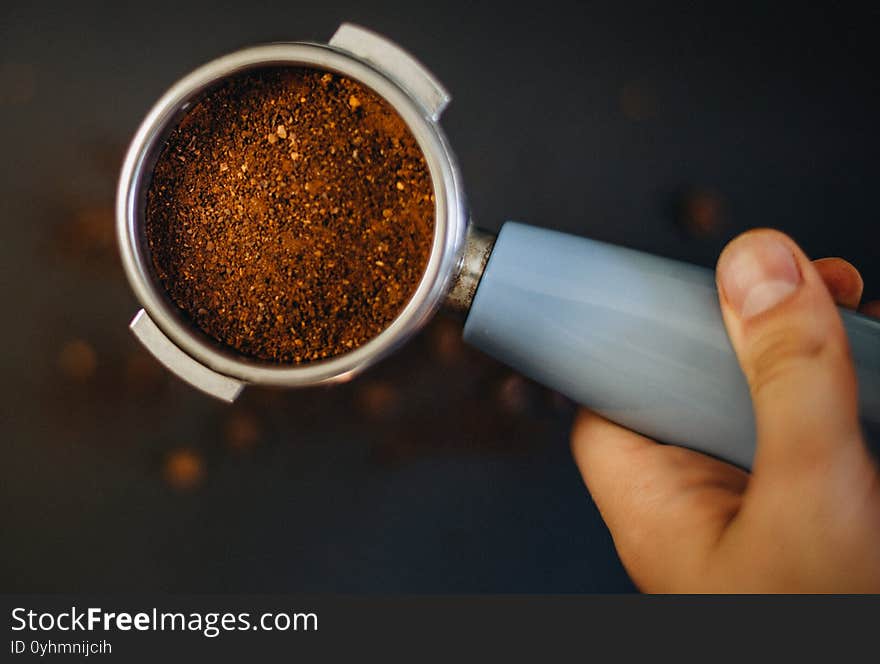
807 518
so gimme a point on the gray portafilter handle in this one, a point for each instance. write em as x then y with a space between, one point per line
636 337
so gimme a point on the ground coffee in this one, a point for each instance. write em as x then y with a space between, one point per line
290 215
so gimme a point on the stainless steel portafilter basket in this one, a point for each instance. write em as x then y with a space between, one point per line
637 337
419 99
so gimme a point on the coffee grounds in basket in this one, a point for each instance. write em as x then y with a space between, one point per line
290 215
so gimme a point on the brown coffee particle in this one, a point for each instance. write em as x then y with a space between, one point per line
242 430
699 212
276 208
378 400
77 360
184 469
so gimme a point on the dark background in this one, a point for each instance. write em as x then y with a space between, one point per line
665 128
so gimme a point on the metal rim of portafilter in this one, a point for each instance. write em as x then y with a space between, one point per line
457 254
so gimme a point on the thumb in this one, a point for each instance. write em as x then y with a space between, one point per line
793 350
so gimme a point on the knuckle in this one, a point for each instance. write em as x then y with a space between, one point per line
778 352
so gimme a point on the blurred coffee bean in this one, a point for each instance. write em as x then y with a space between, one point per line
515 395
77 360
445 340
378 400
242 430
184 469
698 212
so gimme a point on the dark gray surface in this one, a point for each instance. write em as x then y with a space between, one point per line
438 471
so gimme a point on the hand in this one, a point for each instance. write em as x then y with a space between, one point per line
807 519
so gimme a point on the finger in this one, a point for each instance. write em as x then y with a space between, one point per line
842 279
664 505
793 351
